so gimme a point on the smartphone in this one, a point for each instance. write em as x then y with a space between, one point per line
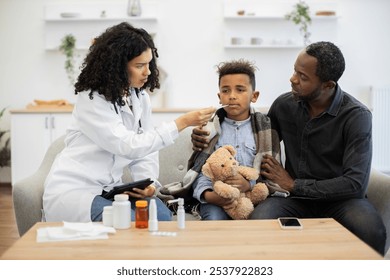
290 223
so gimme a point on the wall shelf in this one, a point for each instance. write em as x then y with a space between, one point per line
244 17
86 21
82 19
268 46
265 21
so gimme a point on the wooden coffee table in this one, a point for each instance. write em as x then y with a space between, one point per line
319 239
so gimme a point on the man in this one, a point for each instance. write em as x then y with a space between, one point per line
328 148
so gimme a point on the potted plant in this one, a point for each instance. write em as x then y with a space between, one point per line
300 15
5 153
67 47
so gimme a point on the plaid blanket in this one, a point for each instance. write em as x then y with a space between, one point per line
267 142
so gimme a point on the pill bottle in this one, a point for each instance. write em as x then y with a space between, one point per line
107 216
141 214
121 212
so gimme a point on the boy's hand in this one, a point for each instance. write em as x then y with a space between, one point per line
199 138
238 181
213 198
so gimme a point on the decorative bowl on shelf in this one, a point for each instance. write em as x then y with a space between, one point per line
237 41
256 41
325 13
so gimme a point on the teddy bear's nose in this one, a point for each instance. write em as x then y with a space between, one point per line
234 163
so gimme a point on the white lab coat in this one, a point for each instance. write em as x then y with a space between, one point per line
99 144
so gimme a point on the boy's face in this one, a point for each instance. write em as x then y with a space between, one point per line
236 91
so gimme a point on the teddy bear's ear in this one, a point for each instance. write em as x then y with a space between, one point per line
206 170
231 149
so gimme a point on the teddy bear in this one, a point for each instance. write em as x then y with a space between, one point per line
220 165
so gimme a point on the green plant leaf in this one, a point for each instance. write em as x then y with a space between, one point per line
5 152
300 15
2 112
67 47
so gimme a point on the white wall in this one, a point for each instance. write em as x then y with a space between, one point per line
190 41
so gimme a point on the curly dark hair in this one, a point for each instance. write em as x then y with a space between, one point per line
105 67
240 66
330 60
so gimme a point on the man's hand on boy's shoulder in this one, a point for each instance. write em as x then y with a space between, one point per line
199 138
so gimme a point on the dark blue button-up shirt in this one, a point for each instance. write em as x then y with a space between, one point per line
329 156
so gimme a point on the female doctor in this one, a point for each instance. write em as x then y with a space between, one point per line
112 129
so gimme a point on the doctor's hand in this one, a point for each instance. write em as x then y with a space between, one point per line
195 118
149 191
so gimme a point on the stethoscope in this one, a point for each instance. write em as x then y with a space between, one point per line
140 129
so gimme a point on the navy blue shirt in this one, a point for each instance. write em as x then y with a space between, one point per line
328 156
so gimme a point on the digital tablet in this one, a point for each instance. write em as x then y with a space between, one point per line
141 184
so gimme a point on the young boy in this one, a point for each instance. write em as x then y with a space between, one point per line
237 124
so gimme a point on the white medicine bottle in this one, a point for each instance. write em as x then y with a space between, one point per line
107 216
121 212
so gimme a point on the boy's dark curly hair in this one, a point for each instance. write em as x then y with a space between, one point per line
330 60
105 67
240 66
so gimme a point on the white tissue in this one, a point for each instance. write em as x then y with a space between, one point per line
74 231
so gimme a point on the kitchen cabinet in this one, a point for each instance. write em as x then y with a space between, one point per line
31 135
